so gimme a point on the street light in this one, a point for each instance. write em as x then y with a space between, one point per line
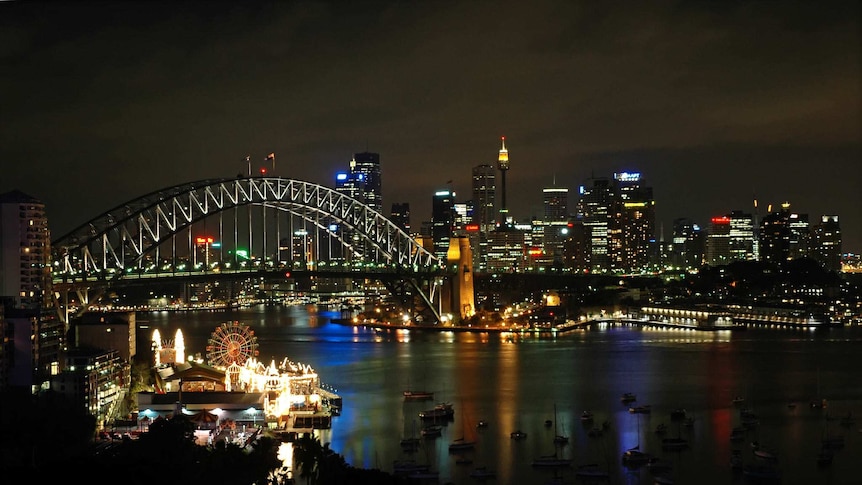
253 413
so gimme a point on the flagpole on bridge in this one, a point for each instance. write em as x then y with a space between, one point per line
271 156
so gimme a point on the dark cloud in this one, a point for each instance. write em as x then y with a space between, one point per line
714 102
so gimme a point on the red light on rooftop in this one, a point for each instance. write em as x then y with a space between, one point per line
471 227
721 220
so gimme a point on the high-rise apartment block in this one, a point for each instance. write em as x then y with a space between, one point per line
34 336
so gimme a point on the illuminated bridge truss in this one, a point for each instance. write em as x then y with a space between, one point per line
247 224
162 232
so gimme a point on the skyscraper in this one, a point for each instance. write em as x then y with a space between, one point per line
400 215
826 247
595 211
442 221
368 164
362 180
484 197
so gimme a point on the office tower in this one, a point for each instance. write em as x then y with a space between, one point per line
718 241
687 245
400 215
731 238
826 247
506 250
595 212
371 191
503 167
36 334
362 180
484 197
632 237
576 248
741 243
554 225
784 235
556 204
442 221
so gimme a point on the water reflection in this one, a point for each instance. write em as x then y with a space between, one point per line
513 381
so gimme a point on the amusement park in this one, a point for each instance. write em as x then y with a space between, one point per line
233 395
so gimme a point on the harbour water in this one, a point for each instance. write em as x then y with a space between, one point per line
514 382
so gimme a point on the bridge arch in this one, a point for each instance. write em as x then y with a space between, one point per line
119 240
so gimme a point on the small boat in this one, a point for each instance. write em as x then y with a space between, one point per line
674 443
633 457
463 460
592 472
410 444
646 409
408 466
424 475
518 435
482 424
587 417
482 472
548 423
461 444
765 455
551 461
738 400
432 431
418 395
439 411
628 397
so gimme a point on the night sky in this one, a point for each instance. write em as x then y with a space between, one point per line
715 103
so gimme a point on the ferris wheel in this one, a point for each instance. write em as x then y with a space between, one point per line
231 343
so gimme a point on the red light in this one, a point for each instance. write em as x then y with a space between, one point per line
263 171
721 220
472 227
287 275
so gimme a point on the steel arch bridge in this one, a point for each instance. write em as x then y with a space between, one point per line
323 227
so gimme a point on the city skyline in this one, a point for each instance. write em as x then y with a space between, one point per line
715 104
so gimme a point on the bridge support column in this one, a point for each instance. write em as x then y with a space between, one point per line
458 291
